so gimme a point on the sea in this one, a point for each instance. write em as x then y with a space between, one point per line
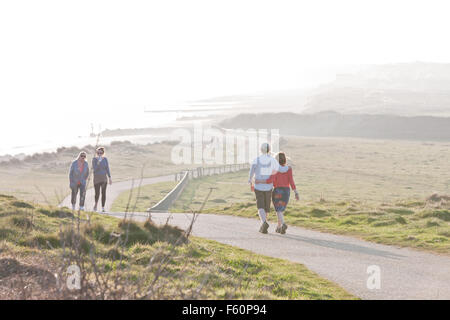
28 132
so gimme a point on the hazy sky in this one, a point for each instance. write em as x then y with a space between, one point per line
93 56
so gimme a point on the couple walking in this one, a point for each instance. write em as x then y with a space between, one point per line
273 183
79 175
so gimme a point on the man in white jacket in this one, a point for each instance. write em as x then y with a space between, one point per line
262 168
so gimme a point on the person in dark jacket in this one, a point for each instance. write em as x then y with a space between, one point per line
102 175
78 176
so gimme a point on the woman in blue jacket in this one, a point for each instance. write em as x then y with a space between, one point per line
78 176
102 174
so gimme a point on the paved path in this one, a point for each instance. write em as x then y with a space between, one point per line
115 190
405 273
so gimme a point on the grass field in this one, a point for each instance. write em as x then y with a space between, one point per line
375 190
362 185
368 170
140 199
43 178
129 260
412 223
228 189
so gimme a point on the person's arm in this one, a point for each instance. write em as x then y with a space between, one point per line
251 172
275 166
71 173
292 184
270 180
108 171
87 170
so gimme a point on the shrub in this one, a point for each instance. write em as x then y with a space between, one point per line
22 222
401 220
384 223
432 223
440 214
56 213
435 197
347 222
166 233
444 233
65 238
70 238
319 213
45 241
4 196
149 233
21 204
97 232
218 201
399 211
132 233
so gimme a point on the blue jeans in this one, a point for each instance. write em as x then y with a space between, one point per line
82 190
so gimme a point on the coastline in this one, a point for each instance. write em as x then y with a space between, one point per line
140 136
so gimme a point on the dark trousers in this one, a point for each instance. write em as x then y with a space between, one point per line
75 190
263 200
100 186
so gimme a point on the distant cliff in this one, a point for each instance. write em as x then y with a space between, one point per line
407 89
333 124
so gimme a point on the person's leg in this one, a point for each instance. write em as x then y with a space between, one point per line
74 197
104 186
275 201
267 201
262 215
280 217
82 196
285 198
97 194
260 203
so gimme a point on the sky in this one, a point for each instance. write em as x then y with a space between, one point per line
66 64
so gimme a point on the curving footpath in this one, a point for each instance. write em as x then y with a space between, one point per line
404 273
115 190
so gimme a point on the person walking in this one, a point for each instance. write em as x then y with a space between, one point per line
102 175
78 176
262 168
282 181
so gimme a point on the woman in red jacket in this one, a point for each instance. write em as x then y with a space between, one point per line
282 181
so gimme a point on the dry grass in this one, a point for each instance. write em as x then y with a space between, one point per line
418 223
43 178
126 259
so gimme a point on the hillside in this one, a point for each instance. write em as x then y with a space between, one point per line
420 223
333 124
401 89
123 259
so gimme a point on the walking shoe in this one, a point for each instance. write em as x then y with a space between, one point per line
81 208
283 228
278 230
264 227
95 208
73 207
103 210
